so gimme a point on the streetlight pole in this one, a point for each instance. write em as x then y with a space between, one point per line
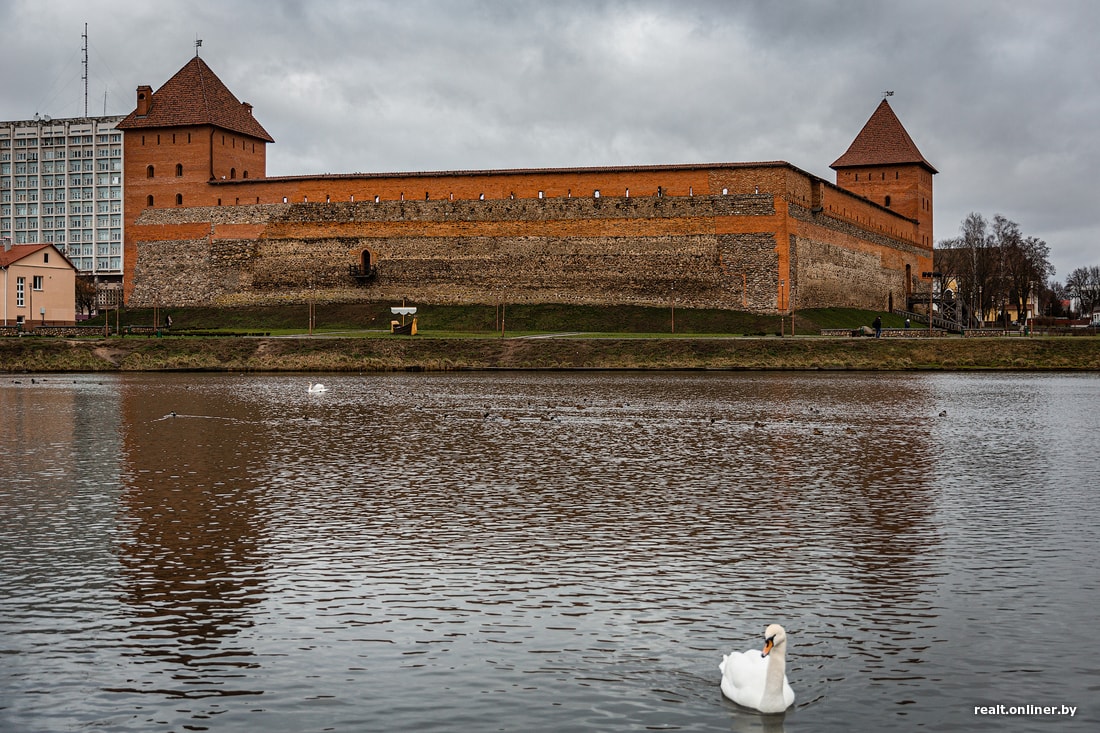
790 305
782 307
672 305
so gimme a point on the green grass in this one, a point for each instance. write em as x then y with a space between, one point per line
484 320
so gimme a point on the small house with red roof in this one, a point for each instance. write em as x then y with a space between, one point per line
37 285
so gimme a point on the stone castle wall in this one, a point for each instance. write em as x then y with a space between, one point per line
840 264
719 251
570 250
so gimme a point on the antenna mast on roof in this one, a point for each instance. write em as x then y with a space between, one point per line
85 37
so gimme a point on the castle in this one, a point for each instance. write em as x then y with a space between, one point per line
205 225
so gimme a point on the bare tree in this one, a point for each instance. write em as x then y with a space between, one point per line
85 295
1027 267
1084 284
969 260
1051 299
995 265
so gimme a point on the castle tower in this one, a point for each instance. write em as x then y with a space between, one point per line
178 140
884 165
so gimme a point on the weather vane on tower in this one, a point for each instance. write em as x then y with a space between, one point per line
884 94
198 42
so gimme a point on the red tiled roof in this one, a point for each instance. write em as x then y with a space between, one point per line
882 141
19 251
196 96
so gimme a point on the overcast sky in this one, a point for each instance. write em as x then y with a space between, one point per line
1001 96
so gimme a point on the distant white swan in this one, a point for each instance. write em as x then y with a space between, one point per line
758 680
315 388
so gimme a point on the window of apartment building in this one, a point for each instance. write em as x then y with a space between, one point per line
37 282
20 286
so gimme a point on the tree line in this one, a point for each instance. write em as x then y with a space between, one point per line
996 271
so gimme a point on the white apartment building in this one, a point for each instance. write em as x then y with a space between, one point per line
61 182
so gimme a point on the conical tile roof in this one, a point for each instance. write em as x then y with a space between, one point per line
882 141
196 96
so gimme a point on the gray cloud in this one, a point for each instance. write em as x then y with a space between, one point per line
1001 97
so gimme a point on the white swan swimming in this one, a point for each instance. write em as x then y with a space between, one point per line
315 388
758 680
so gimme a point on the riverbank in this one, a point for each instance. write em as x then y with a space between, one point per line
329 354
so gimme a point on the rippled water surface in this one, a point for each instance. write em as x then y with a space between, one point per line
545 551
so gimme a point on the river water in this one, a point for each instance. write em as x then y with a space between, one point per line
546 551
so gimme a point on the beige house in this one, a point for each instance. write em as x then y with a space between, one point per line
37 286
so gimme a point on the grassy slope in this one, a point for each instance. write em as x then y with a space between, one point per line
467 337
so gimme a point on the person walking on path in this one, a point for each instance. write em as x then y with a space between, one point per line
878 326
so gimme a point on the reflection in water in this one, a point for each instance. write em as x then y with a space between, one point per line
545 551
189 542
